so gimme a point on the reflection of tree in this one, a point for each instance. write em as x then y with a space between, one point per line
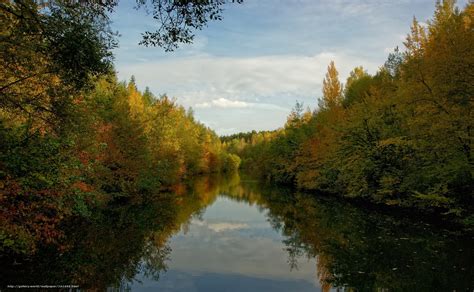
105 250
324 275
295 250
353 248
154 261
123 239
363 249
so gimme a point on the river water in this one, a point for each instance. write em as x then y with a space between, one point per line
236 234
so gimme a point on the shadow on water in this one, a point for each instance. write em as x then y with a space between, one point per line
354 249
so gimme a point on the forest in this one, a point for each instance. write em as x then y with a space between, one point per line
75 140
72 137
401 137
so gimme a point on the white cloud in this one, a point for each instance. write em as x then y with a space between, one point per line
219 227
240 82
242 92
246 71
223 103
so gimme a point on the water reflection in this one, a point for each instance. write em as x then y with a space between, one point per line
370 251
120 241
233 234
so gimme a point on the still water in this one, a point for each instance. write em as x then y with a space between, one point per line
232 247
235 234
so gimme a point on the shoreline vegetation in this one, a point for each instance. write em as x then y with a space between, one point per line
75 140
126 144
402 137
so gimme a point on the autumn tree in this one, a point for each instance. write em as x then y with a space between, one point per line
332 88
402 136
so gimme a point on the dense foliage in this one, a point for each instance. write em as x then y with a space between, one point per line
74 141
400 137
71 136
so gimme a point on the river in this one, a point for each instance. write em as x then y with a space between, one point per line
236 234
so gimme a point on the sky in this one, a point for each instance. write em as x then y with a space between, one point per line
247 71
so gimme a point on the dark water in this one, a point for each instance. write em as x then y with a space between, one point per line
232 234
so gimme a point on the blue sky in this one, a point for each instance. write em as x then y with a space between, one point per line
247 71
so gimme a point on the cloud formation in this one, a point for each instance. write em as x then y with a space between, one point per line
247 71
241 82
225 226
232 94
223 103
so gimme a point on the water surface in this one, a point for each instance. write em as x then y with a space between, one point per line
233 234
232 247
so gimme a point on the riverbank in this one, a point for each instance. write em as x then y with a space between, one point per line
432 216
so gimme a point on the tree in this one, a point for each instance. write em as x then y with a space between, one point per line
332 87
401 137
394 60
294 119
46 59
357 86
437 81
178 19
355 74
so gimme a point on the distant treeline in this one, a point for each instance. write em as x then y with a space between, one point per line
401 137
